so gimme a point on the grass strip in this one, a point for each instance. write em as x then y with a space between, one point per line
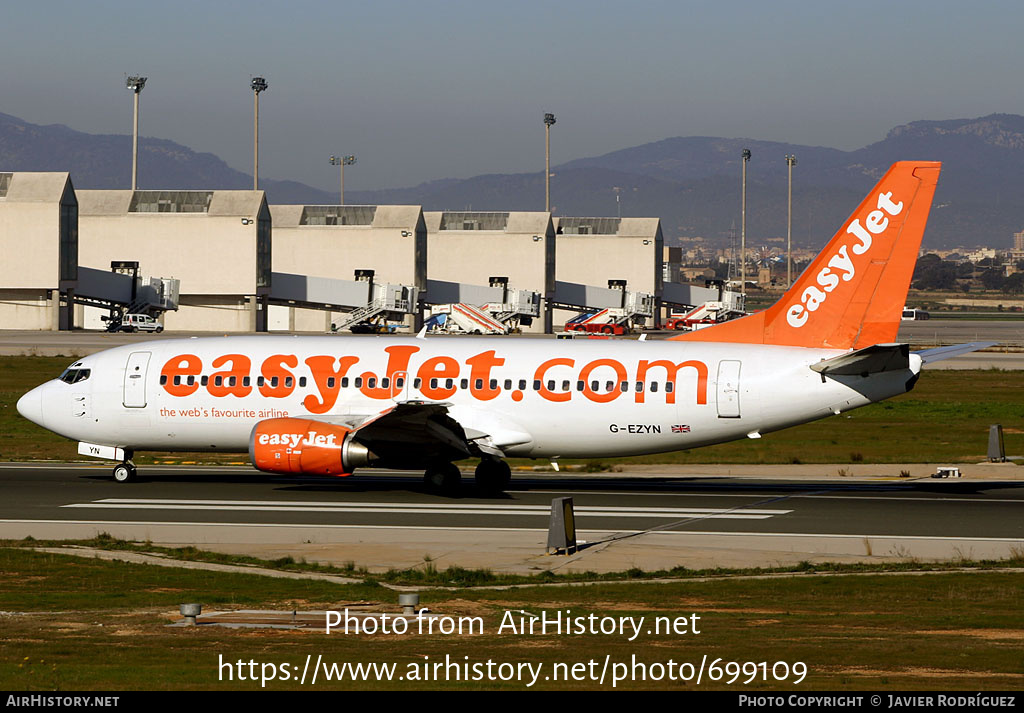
429 575
73 624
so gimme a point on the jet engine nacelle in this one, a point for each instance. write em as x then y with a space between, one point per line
301 445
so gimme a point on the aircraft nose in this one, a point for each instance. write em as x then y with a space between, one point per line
31 405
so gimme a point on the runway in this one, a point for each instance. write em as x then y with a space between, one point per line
232 506
1008 332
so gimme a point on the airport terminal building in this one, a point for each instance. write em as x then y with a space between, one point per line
341 243
245 266
472 247
217 243
39 244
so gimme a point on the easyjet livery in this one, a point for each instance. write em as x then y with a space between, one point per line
328 405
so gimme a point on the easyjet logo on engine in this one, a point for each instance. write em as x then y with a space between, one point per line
842 266
435 378
295 440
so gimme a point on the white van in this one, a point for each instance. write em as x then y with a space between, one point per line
140 323
914 314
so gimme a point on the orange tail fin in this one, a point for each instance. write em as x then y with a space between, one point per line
853 293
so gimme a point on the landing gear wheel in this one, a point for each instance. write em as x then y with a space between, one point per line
124 473
493 476
444 479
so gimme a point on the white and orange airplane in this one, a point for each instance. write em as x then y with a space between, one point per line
328 405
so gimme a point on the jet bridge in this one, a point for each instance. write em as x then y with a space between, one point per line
122 291
363 299
701 306
614 305
688 296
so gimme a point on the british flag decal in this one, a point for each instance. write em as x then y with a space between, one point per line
680 429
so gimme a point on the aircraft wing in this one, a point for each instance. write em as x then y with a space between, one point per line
420 430
409 433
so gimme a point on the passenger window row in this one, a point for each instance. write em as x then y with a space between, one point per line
274 381
385 383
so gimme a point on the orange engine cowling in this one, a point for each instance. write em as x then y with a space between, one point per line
301 445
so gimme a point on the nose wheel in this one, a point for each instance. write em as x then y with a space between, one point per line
124 472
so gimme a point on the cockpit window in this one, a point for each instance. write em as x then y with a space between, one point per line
73 376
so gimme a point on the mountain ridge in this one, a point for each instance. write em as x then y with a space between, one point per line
691 182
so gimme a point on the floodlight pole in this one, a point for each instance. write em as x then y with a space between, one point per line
136 84
790 162
258 84
743 228
342 161
549 120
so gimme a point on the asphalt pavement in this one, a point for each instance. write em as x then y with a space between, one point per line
648 520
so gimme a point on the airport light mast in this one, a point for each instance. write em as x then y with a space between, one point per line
258 84
136 84
743 228
790 162
549 121
342 161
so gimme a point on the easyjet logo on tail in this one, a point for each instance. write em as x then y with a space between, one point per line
842 267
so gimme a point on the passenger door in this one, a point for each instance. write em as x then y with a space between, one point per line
135 380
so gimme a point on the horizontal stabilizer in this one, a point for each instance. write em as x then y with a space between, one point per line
939 353
870 360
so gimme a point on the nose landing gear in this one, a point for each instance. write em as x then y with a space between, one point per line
125 472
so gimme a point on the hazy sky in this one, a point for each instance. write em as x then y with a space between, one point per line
420 90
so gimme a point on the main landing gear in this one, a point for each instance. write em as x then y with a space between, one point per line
125 472
443 478
492 477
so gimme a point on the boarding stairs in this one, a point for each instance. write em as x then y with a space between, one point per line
636 305
713 311
468 319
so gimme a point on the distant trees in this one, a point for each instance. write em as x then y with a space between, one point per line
1014 284
993 279
934 273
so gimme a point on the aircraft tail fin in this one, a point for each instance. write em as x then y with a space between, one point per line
852 294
